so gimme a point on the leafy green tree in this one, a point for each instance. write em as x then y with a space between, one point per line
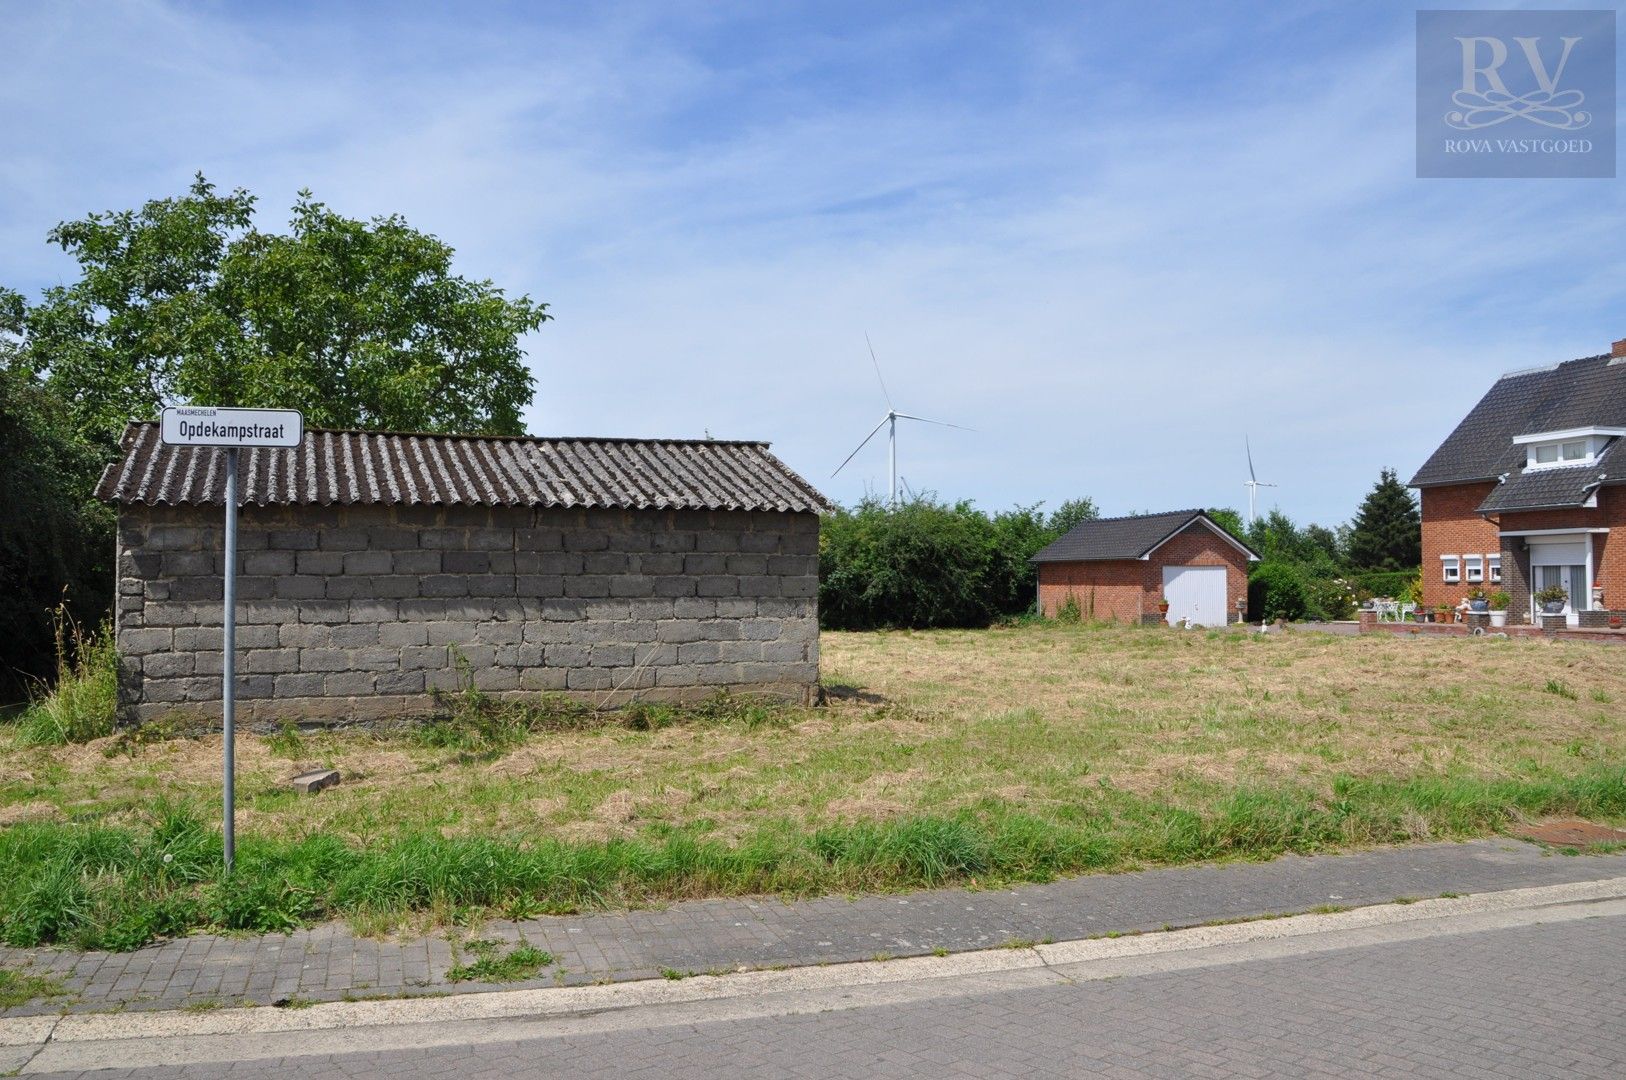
1015 536
56 543
925 563
357 323
1229 520
918 564
1388 528
1322 544
1070 513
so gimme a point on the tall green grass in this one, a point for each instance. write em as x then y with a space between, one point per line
80 706
96 887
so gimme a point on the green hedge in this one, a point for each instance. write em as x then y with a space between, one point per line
1383 582
924 564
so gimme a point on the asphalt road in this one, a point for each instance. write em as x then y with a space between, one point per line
1526 993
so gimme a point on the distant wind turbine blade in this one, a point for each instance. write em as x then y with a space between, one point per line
1249 447
877 363
1261 483
929 420
861 445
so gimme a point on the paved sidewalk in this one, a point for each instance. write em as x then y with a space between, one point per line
328 963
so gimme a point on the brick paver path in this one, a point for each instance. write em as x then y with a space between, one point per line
1536 1001
328 962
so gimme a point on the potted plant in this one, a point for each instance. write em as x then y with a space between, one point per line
1163 605
1552 599
1499 600
1442 613
1420 616
1477 600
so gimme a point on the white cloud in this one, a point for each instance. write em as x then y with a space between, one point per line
1109 280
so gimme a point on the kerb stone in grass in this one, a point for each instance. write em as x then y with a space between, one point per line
309 783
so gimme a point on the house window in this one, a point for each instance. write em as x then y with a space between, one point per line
1566 452
1494 563
1452 566
1475 565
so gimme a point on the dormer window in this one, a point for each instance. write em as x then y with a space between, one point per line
1556 449
1566 452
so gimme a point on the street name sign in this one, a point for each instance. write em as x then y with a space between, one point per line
196 425
234 429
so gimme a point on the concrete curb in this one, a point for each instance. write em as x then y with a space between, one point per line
106 1040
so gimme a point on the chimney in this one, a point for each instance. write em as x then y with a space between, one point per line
1618 349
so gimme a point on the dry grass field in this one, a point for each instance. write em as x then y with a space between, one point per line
1055 748
1040 718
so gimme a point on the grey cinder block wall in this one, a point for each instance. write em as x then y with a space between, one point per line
359 611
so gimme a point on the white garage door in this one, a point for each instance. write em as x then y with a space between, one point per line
1196 593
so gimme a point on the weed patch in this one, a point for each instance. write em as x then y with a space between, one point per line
23 987
488 963
1560 688
81 705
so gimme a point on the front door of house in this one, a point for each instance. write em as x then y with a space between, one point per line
1569 577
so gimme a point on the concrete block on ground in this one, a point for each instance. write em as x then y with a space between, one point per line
309 783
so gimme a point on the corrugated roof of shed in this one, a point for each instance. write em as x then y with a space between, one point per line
387 468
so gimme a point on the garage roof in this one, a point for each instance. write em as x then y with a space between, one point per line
1128 537
385 468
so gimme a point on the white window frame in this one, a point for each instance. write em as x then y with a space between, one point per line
1473 568
1451 568
1493 566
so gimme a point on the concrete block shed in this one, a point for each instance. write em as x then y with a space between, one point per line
1120 568
371 563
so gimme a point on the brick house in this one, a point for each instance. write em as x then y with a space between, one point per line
1525 493
1119 569
371 566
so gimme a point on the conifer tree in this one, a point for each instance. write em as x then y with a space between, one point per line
1388 532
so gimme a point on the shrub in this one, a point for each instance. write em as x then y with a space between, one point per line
1276 590
1068 610
1329 598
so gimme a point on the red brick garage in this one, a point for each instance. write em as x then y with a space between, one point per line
1119 568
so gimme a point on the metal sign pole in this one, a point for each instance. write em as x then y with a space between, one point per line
228 659
209 426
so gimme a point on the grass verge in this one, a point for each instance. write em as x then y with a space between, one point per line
118 887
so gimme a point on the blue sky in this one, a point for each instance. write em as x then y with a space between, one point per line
1112 238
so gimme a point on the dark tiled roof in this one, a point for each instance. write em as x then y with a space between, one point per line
1540 489
359 467
1123 537
1580 393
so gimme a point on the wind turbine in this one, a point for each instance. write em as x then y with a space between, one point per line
890 422
1252 483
